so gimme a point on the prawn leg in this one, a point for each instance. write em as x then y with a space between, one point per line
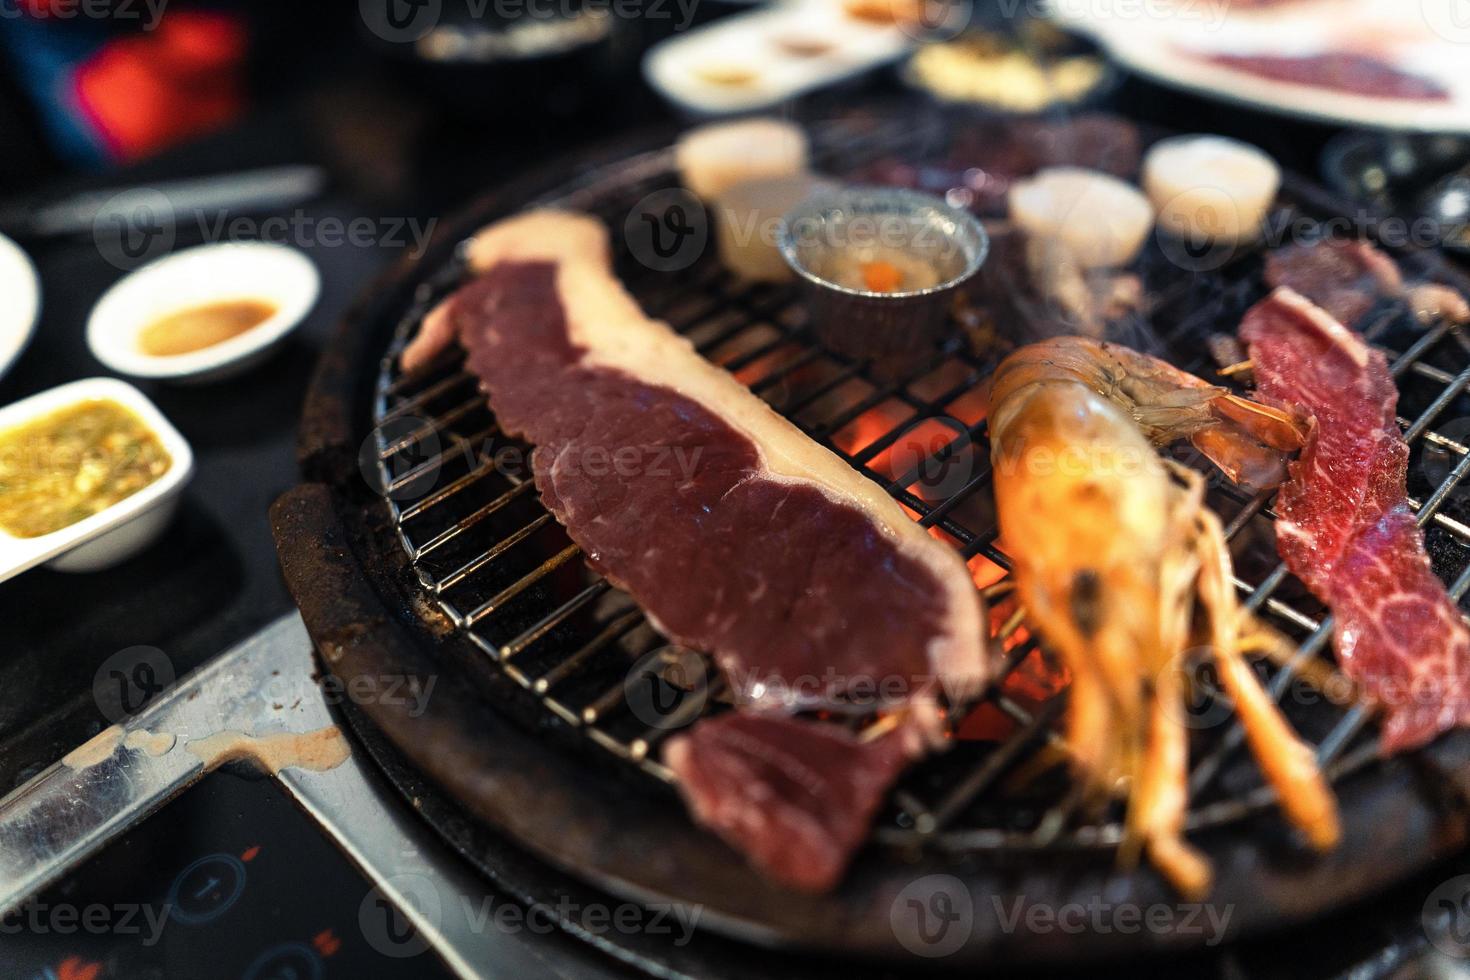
1258 638
1158 809
1163 798
1287 762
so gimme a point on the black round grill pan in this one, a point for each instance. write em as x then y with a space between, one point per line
529 649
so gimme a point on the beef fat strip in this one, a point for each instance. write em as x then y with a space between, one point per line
1344 526
735 532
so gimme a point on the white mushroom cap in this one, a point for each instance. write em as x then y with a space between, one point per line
1210 188
1101 220
715 157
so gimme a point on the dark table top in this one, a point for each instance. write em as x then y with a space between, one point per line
211 580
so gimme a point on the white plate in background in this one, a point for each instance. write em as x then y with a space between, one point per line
1168 40
278 274
759 41
20 302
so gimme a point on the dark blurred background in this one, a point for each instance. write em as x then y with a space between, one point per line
413 104
90 85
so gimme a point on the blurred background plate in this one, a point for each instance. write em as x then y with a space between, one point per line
1175 43
1013 69
22 291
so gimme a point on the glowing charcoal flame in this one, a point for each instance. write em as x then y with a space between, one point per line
1033 682
868 428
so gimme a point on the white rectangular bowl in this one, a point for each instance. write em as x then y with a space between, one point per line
125 528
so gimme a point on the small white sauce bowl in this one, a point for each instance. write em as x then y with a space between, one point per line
117 533
21 290
276 274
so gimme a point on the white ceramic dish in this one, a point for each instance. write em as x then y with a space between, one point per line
128 526
760 42
1170 46
277 274
20 302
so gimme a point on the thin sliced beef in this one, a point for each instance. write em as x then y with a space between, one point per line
735 532
1344 526
1340 71
796 796
1344 276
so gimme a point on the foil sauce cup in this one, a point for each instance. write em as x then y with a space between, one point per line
831 237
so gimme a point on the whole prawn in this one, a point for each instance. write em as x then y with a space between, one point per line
1122 569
